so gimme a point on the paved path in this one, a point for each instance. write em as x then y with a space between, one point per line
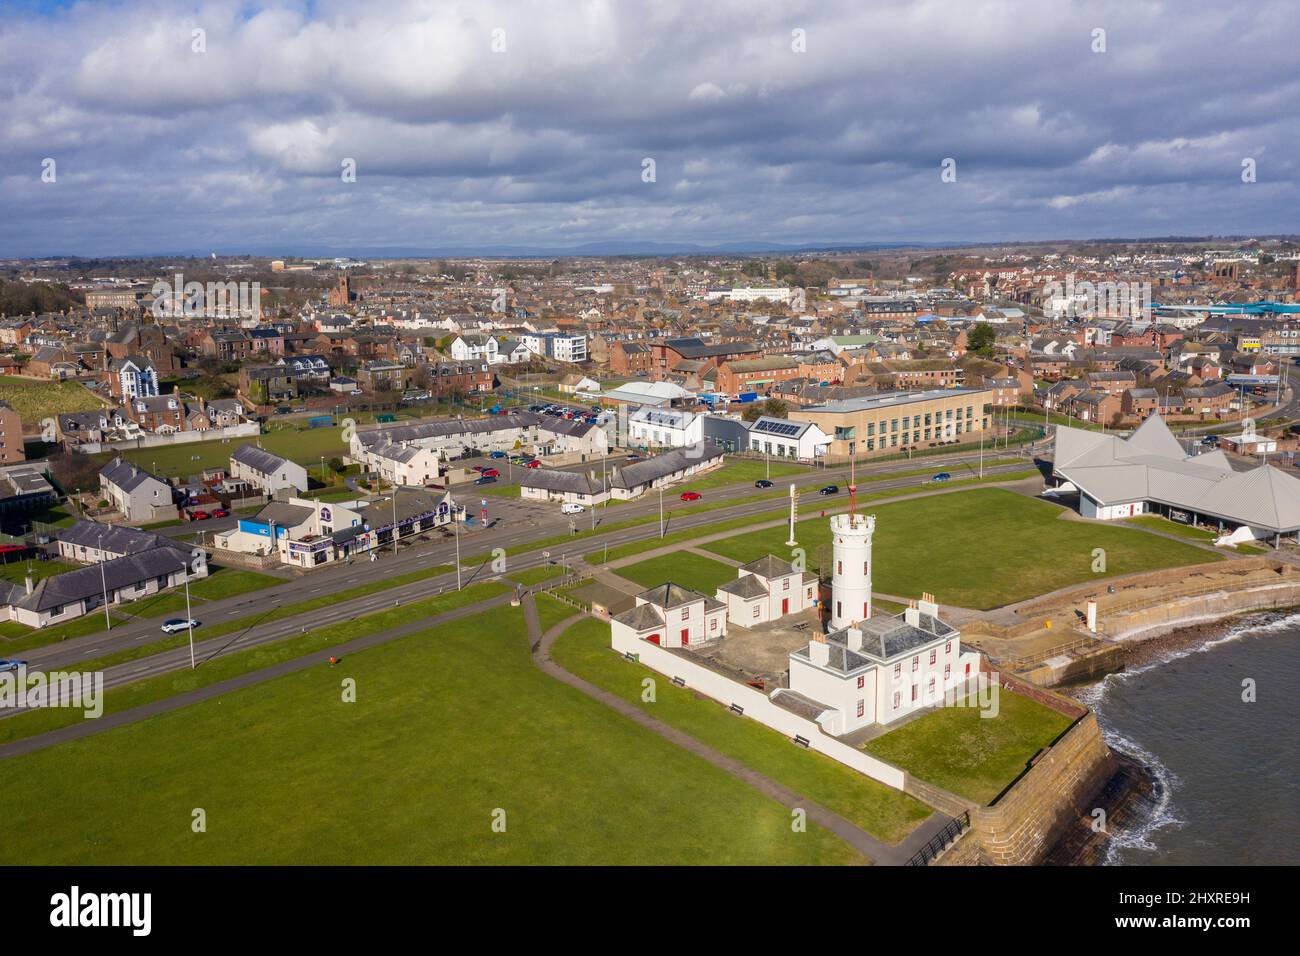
318 658
850 833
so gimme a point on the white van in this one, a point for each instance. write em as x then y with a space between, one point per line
571 508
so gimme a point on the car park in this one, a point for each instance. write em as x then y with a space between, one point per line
571 508
762 483
178 624
484 480
829 490
691 496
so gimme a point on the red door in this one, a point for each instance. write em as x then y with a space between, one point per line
653 638
686 636
785 606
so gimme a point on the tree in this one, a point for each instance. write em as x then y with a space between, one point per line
772 408
981 339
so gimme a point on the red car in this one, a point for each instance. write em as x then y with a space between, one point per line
491 473
533 464
691 496
199 516
220 513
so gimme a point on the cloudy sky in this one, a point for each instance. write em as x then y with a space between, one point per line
492 124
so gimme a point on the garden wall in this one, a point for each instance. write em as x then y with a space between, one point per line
757 705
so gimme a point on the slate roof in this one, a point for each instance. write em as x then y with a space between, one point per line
747 587
115 538
259 459
70 586
669 596
127 476
769 566
652 469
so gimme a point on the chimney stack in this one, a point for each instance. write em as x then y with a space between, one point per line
928 605
913 614
855 639
819 652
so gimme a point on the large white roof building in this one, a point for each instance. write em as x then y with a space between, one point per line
1151 472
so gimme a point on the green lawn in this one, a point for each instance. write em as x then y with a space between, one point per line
531 576
979 549
15 637
886 813
972 756
1157 523
228 582
16 571
411 773
303 445
689 570
738 470
36 400
551 612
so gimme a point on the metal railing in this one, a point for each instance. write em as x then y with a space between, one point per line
940 841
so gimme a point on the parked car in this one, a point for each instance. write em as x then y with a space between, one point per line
941 476
571 508
178 624
10 664
199 516
497 454
532 463
491 473
691 496
484 480
829 490
480 468
762 483
633 456
220 513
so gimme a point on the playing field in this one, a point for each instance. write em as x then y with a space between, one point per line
306 446
453 729
36 400
979 549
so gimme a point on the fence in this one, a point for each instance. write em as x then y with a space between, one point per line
754 703
940 841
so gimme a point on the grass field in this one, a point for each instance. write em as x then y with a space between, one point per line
972 756
228 582
303 445
979 549
882 811
537 575
738 470
689 570
16 571
36 401
414 772
1157 523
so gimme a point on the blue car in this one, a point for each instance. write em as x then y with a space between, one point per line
941 476
497 454
485 480
7 664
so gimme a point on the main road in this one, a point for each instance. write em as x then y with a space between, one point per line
517 536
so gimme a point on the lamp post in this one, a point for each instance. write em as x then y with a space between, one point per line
456 524
661 511
189 617
103 580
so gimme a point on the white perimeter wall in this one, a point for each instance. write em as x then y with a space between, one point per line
758 706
